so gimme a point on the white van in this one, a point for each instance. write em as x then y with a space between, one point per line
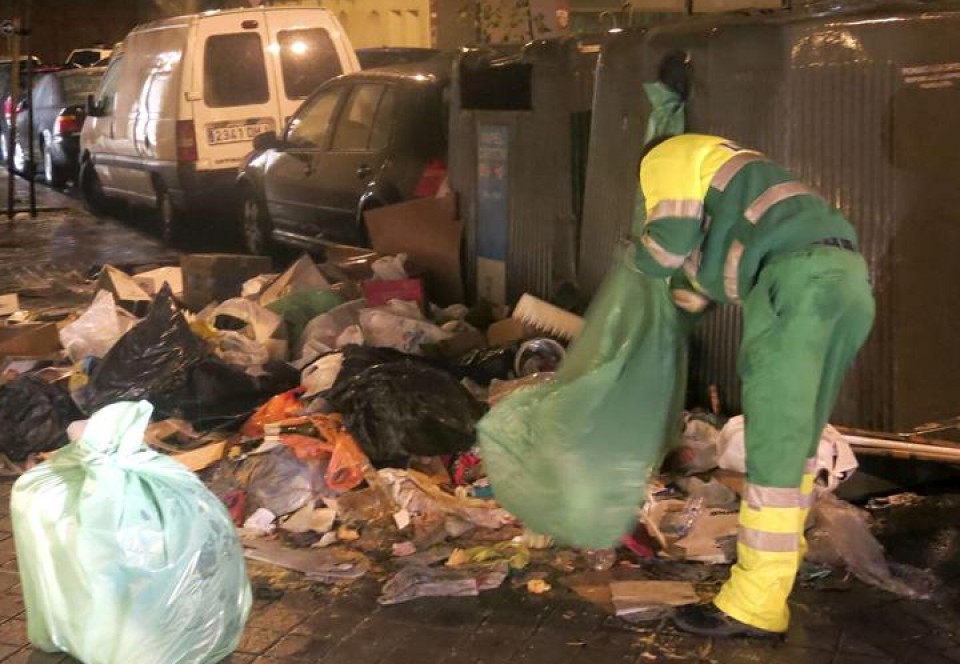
183 98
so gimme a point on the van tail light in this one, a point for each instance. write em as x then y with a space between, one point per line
186 141
432 177
67 123
7 107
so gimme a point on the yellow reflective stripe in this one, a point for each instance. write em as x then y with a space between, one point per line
774 195
684 207
806 484
726 172
770 519
759 540
731 271
662 256
689 300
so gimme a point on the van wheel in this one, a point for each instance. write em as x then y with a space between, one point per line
56 176
256 225
92 190
171 219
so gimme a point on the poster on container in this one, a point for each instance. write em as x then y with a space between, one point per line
493 211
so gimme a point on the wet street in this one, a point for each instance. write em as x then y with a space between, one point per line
837 620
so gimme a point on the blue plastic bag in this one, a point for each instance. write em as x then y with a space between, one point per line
571 458
124 555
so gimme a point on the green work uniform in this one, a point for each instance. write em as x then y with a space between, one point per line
727 225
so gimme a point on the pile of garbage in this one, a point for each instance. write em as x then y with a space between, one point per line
333 411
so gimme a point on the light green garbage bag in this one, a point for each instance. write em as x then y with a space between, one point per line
571 458
667 112
125 557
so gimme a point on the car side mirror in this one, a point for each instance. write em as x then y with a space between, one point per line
92 108
268 140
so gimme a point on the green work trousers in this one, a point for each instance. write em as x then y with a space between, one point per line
804 321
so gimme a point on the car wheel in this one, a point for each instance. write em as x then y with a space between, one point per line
171 218
92 190
19 158
256 225
54 174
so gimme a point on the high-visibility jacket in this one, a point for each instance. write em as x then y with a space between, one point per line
714 212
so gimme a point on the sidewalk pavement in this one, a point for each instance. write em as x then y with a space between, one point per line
292 622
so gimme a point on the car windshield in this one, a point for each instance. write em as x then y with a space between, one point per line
85 58
308 59
77 86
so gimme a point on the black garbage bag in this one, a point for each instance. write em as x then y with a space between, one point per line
406 407
150 362
487 364
219 394
33 417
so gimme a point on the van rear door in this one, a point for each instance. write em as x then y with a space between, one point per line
232 88
309 47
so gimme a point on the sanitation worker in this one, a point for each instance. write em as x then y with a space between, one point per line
726 224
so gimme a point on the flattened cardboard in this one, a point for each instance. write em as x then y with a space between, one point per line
152 281
428 232
302 276
9 303
29 340
122 286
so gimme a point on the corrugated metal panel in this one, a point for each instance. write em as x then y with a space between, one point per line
847 162
825 97
620 112
542 232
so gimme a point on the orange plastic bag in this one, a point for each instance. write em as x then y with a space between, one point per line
281 407
347 460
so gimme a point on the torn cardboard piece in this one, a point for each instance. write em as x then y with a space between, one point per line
303 275
428 232
153 280
650 599
125 290
29 340
9 303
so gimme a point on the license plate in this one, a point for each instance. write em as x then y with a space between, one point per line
235 133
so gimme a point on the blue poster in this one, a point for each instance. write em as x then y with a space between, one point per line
493 151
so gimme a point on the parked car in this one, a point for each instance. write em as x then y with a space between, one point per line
371 58
88 57
59 107
183 97
6 103
361 141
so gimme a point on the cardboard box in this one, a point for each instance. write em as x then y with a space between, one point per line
217 277
377 292
29 340
428 232
507 331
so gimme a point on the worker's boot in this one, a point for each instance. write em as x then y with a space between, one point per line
708 620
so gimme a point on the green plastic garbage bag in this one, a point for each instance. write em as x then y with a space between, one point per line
667 112
300 308
571 458
125 556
